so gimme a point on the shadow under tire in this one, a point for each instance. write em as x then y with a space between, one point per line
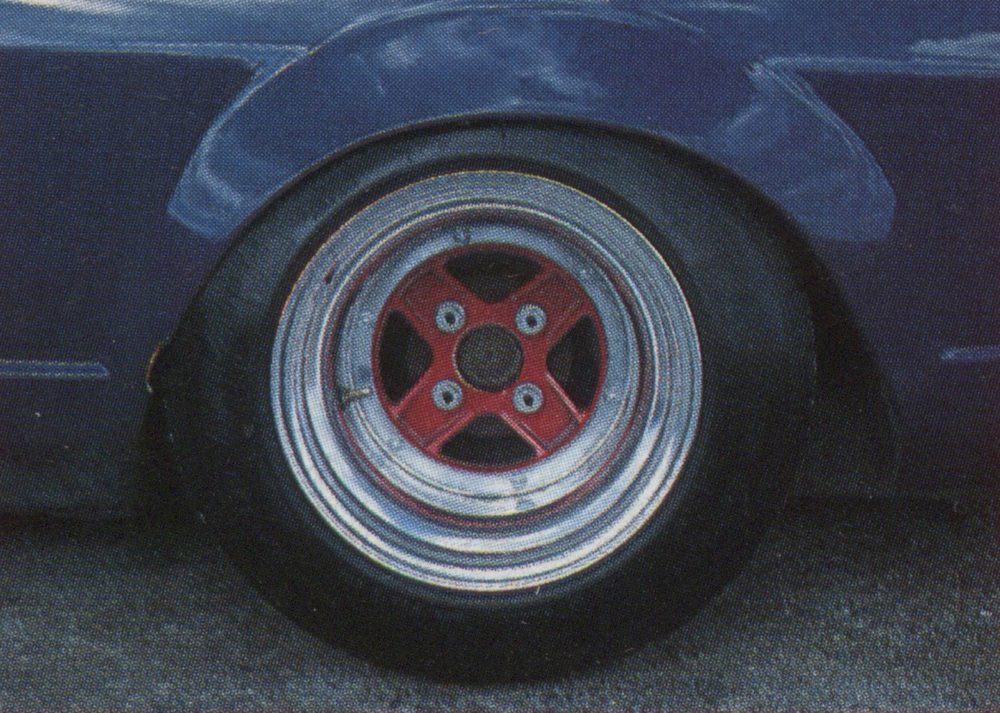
495 400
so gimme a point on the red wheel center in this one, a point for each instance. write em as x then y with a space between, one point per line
489 356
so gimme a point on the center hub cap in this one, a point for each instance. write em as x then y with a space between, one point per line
489 358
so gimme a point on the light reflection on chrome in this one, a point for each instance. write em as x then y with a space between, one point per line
352 463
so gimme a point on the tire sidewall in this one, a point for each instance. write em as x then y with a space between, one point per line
758 372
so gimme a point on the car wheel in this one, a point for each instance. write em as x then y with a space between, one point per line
485 400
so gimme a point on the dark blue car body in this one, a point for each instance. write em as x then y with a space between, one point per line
138 136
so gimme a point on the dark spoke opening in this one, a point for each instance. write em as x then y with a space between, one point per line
403 357
488 442
492 275
575 363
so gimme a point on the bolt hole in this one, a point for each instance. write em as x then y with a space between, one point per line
448 398
449 318
529 401
532 322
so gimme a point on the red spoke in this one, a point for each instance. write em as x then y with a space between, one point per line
463 293
549 424
560 393
419 391
536 371
427 423
421 296
513 420
453 428
560 297
416 319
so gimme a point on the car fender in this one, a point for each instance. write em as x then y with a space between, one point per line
629 68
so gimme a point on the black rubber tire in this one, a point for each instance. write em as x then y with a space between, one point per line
729 253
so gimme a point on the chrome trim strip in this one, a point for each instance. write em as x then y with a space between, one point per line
972 355
53 370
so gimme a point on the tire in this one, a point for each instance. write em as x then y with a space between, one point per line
382 548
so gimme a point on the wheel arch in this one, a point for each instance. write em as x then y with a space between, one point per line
627 67
847 371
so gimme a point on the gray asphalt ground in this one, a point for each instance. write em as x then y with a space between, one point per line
848 605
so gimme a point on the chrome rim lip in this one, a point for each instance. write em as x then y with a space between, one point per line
656 418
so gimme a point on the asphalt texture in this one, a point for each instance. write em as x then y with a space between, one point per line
847 605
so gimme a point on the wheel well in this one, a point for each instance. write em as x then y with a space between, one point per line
848 374
853 448
853 445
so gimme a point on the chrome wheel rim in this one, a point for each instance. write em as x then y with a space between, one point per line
446 523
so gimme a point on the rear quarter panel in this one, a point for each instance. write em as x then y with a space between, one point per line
137 141
93 269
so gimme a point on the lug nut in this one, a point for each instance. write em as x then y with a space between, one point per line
530 319
450 317
447 395
527 398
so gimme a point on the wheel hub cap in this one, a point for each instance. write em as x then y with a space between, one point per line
489 358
